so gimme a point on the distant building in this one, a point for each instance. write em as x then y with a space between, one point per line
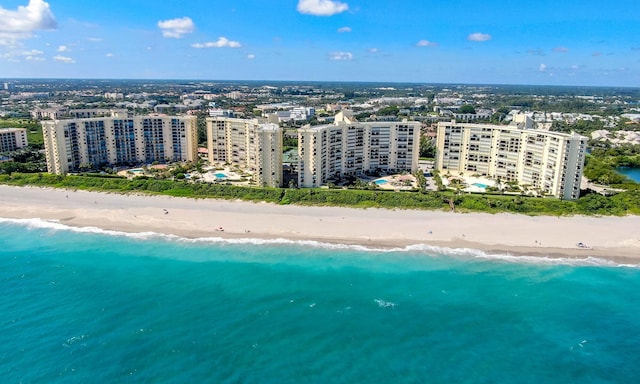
549 162
98 112
114 95
48 113
106 141
249 144
217 112
351 148
12 139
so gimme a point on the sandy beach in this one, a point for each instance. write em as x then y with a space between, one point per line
613 238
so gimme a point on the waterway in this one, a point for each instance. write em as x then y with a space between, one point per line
632 173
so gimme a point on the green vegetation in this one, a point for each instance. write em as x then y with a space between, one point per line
388 111
583 127
422 181
467 109
592 204
202 129
427 147
28 159
600 165
34 130
289 142
24 160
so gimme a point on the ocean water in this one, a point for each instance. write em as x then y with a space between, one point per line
84 305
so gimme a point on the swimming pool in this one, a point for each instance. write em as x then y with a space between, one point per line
381 181
220 175
480 185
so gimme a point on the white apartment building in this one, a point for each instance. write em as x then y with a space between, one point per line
249 144
96 142
48 113
349 148
549 162
98 112
12 139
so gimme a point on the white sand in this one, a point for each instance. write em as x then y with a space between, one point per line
616 238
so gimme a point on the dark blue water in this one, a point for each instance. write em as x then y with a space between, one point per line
632 173
94 307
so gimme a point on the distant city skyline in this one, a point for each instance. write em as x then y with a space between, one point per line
492 42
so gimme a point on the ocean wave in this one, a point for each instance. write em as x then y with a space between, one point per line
55 225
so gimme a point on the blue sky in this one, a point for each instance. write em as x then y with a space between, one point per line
572 42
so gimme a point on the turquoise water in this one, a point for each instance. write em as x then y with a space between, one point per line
103 307
220 175
632 173
381 181
480 185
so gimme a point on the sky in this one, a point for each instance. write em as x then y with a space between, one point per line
543 42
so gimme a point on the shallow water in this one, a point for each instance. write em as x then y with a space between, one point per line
85 305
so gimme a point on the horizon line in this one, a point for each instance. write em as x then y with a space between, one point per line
316 81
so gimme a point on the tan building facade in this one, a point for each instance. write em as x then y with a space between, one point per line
249 144
548 162
74 144
12 139
348 148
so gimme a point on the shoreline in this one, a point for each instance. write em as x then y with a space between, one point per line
611 238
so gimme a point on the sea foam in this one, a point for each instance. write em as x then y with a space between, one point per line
423 248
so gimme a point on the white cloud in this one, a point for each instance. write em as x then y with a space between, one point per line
479 37
63 48
109 54
222 42
344 29
340 56
176 28
95 39
30 55
32 52
536 52
321 7
21 23
251 56
542 67
63 59
426 43
373 50
34 58
561 49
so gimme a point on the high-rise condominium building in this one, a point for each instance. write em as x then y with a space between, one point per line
105 141
12 139
548 162
249 144
349 148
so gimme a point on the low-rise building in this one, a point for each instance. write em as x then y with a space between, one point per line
47 113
